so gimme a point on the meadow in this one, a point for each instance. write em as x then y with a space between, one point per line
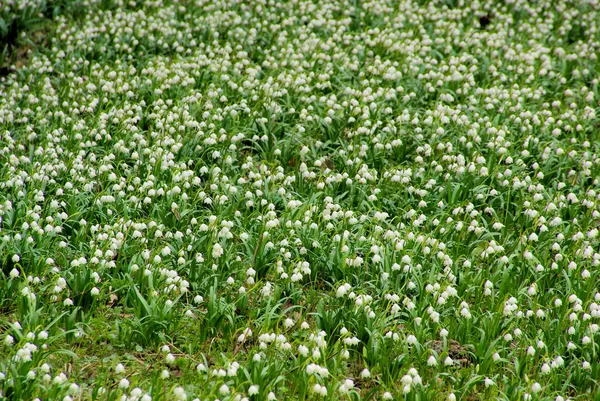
299 200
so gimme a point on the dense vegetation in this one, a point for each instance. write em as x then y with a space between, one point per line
298 200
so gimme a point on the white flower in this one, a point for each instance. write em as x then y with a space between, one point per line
242 337
253 390
9 340
179 393
217 251
545 368
303 350
224 389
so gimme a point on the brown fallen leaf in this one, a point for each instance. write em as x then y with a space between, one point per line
112 300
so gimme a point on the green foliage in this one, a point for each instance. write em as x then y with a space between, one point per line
364 200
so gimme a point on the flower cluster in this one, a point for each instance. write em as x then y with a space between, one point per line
222 200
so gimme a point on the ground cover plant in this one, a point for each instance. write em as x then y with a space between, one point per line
299 200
